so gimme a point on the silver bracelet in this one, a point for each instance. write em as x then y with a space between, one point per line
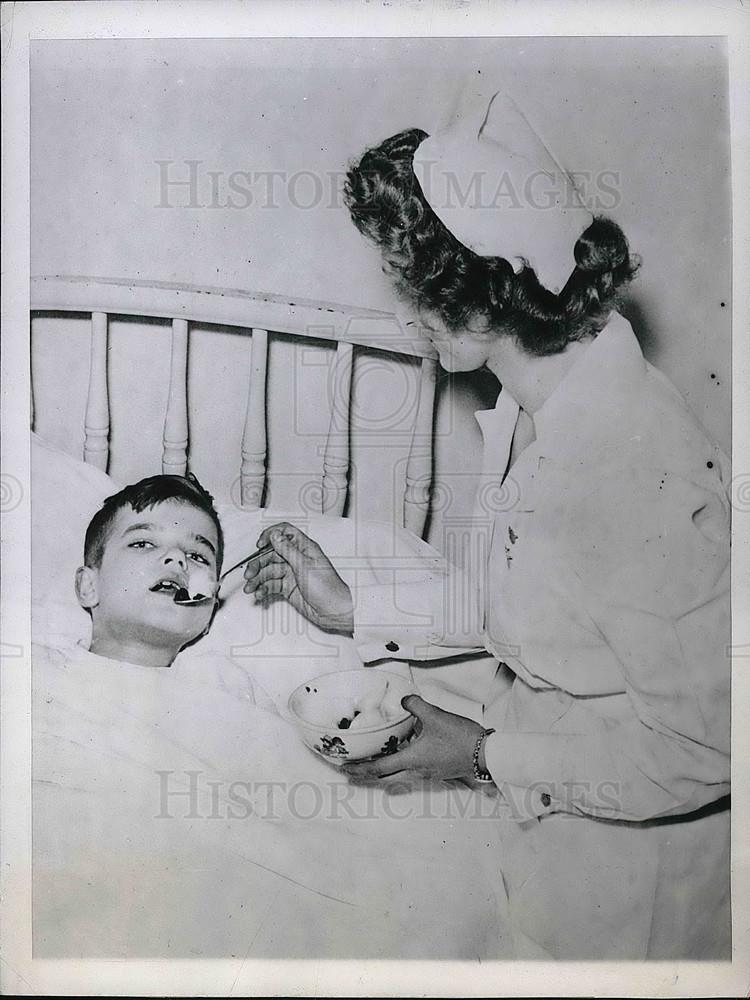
480 775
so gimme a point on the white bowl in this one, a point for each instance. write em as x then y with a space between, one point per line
319 706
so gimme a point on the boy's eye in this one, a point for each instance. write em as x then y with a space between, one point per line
198 557
142 543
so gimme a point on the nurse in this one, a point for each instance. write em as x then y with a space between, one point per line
606 591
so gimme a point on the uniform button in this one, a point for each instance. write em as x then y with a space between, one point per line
546 800
392 647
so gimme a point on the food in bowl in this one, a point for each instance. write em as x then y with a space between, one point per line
353 714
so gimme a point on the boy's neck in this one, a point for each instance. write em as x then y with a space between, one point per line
132 651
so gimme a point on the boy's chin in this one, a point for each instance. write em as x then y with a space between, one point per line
178 618
165 632
186 637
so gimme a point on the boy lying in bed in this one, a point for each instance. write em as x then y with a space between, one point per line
173 817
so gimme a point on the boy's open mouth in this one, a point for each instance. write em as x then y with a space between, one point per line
167 585
180 594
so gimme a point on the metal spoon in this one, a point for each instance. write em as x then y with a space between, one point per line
182 595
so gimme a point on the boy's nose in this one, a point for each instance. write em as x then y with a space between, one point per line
176 556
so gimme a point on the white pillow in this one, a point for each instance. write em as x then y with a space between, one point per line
65 495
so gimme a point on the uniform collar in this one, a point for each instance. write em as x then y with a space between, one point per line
503 414
603 377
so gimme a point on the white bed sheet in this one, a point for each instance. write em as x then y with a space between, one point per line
129 862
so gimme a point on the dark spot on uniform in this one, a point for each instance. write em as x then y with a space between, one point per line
713 374
709 465
722 304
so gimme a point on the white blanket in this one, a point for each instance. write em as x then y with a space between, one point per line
155 835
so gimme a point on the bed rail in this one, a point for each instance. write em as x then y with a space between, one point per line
259 314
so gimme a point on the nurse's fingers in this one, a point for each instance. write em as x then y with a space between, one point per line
266 574
403 782
282 532
264 538
387 766
291 543
272 571
270 590
395 784
258 562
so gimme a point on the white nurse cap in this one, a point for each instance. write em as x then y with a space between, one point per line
496 186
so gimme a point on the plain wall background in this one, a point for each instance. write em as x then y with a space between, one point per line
653 110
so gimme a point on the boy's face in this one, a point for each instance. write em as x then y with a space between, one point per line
147 556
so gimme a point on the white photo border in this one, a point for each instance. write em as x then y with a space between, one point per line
224 18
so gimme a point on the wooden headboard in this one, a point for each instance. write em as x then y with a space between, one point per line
352 329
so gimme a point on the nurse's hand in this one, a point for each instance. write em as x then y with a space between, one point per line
297 569
443 750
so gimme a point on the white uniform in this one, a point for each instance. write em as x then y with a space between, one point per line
607 595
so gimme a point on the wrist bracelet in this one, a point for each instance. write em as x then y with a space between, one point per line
480 775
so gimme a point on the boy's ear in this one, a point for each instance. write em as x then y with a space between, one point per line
87 590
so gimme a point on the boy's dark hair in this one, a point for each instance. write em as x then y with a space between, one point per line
434 271
144 495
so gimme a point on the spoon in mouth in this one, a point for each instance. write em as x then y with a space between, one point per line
182 594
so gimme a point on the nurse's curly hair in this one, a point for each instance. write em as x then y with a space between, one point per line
434 272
